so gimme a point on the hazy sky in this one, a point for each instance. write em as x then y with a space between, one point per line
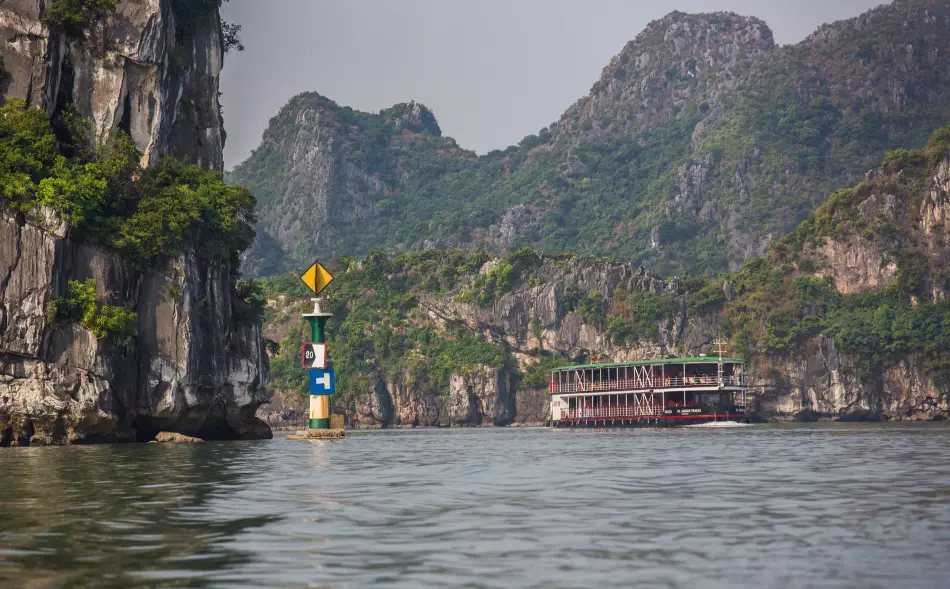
493 71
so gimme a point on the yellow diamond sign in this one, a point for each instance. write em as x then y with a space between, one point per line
317 278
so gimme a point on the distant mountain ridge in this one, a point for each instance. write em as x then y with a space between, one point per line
701 144
847 317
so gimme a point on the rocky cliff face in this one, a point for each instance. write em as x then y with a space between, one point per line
321 171
485 396
816 379
846 318
152 69
700 145
196 364
672 62
351 167
891 224
820 380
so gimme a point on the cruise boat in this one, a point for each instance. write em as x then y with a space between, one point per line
654 393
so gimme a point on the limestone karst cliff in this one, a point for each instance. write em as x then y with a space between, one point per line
193 359
845 318
700 145
194 367
150 69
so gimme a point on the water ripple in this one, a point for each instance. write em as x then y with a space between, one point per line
768 506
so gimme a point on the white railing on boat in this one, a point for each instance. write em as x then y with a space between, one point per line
631 384
598 412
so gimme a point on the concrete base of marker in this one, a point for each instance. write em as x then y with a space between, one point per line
317 434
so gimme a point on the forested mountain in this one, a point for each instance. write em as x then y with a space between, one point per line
700 145
847 316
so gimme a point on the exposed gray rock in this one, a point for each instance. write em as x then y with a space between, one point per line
146 70
195 367
865 263
518 223
197 364
691 188
173 438
484 396
816 378
332 184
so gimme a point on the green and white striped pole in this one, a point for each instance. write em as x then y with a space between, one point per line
319 404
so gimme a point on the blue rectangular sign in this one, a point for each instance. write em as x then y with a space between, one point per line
322 381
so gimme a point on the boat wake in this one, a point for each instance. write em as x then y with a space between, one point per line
721 424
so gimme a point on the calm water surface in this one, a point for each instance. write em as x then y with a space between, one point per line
830 505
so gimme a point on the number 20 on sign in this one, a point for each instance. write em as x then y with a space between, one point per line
313 356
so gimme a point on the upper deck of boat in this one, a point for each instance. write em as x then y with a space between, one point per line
668 373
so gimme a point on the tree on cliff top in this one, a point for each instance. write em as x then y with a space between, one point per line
75 16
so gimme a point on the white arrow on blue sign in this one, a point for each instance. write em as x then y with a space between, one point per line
322 381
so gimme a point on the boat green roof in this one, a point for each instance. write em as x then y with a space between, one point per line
687 360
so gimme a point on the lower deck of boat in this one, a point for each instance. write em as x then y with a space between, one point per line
647 421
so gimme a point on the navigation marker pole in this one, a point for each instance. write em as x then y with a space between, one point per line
313 358
319 403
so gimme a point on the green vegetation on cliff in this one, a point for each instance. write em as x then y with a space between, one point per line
415 317
76 16
777 310
701 144
382 330
789 297
83 306
107 199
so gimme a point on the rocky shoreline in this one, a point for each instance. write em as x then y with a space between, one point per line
800 417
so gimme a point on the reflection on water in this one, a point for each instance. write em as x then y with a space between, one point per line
768 506
122 515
